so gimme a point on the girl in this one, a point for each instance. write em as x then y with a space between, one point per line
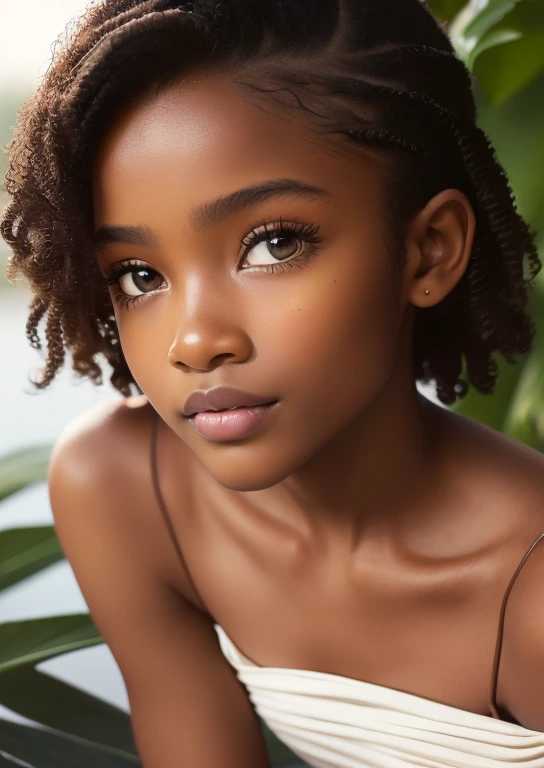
273 218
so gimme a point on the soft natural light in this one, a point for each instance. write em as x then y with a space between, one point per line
28 29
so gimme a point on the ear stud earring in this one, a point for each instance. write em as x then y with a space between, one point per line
427 291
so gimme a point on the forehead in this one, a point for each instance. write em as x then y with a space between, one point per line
200 136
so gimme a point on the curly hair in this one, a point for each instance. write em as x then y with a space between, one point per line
382 73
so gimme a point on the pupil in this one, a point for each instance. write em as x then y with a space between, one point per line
282 240
146 276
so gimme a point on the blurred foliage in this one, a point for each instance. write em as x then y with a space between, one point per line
502 43
75 728
22 468
25 552
511 35
445 10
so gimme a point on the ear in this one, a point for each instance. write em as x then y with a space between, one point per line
439 243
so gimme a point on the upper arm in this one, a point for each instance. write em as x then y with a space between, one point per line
521 668
187 705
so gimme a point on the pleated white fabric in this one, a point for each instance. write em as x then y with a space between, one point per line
331 721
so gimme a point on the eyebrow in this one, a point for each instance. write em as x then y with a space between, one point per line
206 215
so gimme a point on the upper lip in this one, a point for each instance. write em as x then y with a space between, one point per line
219 399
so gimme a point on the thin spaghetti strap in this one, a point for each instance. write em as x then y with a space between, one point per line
163 508
498 647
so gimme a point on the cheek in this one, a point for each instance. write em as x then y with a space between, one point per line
138 333
341 337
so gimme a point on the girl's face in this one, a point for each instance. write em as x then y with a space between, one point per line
314 319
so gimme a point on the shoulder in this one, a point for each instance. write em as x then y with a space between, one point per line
522 667
516 482
503 477
505 482
108 437
99 480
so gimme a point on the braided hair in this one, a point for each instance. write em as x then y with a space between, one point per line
381 73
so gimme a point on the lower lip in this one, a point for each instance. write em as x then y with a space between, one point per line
231 425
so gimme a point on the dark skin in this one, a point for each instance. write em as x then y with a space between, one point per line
393 525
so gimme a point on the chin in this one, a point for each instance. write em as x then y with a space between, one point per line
244 478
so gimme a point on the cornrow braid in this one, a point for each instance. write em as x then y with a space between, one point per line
485 311
380 73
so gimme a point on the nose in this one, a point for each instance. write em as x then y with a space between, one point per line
204 350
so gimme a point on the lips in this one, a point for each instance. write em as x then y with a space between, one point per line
222 399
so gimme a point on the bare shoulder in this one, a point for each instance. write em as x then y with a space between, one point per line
104 455
507 482
104 452
103 434
522 665
499 470
122 558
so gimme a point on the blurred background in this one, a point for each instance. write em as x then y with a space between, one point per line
503 45
28 417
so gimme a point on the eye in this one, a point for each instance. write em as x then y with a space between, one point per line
289 242
273 248
138 281
277 246
134 280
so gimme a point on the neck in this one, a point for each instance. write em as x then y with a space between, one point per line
375 473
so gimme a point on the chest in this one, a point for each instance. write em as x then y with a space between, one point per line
427 629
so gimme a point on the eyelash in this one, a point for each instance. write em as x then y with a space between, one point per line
307 233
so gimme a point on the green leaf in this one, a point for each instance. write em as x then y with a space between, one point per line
22 468
43 748
517 131
40 697
524 420
7 761
491 409
474 21
279 753
445 10
296 764
510 55
504 72
34 640
487 16
492 40
27 551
